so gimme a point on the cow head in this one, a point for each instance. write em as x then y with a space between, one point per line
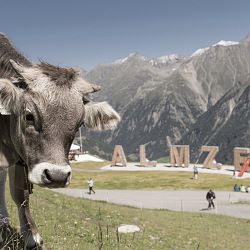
48 104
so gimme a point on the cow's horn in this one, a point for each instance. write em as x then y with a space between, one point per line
85 87
18 67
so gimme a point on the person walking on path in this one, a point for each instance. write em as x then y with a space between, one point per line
210 198
195 172
91 184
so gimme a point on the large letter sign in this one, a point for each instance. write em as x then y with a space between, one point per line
143 159
179 155
119 156
210 160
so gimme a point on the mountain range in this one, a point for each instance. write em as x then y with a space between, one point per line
198 100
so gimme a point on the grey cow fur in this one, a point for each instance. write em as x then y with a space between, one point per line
47 105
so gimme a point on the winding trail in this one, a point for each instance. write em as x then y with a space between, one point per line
227 203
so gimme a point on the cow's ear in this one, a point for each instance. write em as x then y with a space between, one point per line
100 116
9 96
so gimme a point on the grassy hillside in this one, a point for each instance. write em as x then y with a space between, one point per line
154 180
76 224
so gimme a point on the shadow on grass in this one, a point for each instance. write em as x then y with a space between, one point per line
204 209
207 209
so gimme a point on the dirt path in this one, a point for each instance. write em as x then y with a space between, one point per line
227 203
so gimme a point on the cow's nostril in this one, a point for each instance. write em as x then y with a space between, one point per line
68 178
47 175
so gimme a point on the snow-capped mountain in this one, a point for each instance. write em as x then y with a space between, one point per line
165 99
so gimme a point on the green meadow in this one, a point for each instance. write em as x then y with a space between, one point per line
67 223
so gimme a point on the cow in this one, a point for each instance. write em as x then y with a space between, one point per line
44 105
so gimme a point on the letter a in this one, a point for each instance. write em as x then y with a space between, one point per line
119 156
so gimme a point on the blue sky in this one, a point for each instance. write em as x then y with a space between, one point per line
86 33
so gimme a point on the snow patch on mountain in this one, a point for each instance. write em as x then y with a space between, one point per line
199 52
131 55
154 61
225 43
165 59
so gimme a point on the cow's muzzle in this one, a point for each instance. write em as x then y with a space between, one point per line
50 175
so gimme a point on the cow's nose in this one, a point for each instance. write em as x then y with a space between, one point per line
50 175
56 178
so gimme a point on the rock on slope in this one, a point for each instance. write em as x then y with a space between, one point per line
226 124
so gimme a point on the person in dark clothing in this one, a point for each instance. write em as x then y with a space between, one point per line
236 188
210 197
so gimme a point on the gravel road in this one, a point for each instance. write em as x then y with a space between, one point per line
227 203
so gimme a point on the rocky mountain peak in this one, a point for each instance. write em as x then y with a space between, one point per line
170 96
130 57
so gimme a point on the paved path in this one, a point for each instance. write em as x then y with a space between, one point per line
89 170
191 201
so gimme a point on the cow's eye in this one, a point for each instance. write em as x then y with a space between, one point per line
85 99
29 118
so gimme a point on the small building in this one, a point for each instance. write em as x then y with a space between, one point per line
74 150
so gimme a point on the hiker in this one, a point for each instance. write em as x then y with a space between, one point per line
91 184
210 197
236 188
195 172
234 172
242 188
